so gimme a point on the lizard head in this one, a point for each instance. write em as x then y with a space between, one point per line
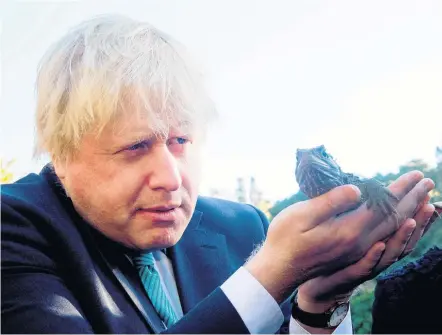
316 171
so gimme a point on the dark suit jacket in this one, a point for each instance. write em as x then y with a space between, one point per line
59 275
409 299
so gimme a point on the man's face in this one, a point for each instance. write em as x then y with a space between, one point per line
137 189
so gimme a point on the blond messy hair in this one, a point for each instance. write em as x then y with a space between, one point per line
109 65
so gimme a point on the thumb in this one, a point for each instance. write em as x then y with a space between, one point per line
332 203
345 281
362 270
367 264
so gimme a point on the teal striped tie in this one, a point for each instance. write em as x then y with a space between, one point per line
152 284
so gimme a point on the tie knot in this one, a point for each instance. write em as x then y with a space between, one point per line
144 259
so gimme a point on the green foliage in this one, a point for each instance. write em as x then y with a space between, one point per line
361 304
6 175
362 300
280 205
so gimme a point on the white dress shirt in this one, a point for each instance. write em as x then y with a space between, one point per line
244 292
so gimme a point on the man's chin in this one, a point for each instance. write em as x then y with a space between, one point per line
161 238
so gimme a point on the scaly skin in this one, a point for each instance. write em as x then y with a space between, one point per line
317 173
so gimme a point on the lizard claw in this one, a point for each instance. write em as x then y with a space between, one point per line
379 198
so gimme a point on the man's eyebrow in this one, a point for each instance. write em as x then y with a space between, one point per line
149 138
126 141
142 138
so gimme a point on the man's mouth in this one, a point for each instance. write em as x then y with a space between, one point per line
162 214
161 209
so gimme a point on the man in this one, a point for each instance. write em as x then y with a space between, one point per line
112 236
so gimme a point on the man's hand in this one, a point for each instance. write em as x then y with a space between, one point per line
319 294
309 240
322 292
340 285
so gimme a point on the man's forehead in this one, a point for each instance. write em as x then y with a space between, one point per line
144 127
150 112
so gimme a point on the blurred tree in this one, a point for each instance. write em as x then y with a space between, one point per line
240 190
264 205
280 205
362 299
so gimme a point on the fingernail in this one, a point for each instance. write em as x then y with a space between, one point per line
380 251
431 208
357 191
429 185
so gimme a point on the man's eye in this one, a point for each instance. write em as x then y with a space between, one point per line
138 146
178 140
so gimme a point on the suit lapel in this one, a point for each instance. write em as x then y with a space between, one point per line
200 265
116 258
130 282
200 262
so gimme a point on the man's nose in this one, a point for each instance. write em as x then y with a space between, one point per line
165 171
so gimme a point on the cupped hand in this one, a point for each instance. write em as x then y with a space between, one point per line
324 290
309 239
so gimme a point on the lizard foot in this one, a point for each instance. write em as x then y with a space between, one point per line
379 198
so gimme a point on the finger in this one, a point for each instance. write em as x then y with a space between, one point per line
407 207
348 278
366 266
362 270
422 219
396 245
425 201
436 214
332 203
375 224
405 183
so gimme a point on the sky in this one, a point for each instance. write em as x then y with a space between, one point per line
362 78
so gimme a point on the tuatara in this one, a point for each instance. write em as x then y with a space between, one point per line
317 172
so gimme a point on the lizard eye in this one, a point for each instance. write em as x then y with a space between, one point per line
323 152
